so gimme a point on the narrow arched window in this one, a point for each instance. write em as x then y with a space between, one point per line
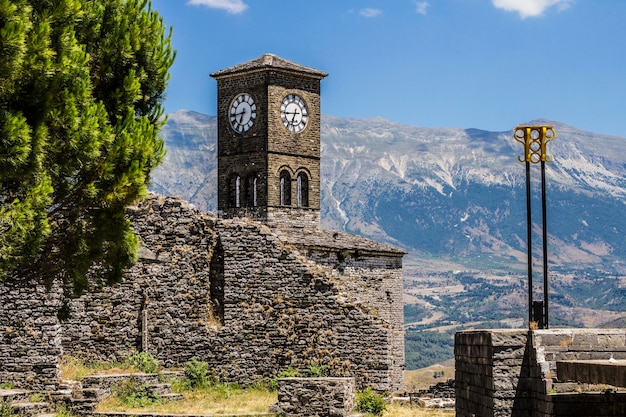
254 192
234 190
303 190
251 191
285 188
238 191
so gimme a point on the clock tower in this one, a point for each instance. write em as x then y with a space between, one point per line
268 142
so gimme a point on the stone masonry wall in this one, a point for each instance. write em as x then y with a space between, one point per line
513 372
315 397
165 297
294 216
375 281
30 339
234 294
488 365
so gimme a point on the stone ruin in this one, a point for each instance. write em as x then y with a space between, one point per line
249 299
540 373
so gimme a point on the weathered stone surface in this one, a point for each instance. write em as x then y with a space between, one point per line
249 299
524 375
30 335
315 397
611 372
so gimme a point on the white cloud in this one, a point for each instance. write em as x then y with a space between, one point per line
531 8
231 6
421 6
370 12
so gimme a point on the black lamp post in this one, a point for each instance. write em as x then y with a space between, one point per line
535 140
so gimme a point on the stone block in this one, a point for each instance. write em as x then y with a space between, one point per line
315 397
611 372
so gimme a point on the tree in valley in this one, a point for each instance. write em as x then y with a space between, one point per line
81 90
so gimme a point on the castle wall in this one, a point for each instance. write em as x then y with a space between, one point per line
165 299
30 335
232 293
292 311
375 281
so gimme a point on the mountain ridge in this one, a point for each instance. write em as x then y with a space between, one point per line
447 167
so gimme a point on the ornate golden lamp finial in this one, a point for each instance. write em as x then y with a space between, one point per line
535 140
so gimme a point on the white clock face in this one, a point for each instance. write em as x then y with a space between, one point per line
242 113
294 113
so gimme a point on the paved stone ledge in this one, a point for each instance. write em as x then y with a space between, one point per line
611 372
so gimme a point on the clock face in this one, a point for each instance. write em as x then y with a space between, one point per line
242 113
294 113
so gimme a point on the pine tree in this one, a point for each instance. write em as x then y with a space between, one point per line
81 87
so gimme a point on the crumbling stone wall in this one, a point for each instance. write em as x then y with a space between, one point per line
164 302
249 299
30 338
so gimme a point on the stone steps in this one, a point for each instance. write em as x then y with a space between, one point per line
14 395
94 388
20 403
83 397
28 409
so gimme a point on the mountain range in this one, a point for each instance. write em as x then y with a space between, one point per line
456 193
455 200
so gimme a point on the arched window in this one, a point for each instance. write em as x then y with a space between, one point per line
254 192
251 191
234 191
303 190
238 191
285 188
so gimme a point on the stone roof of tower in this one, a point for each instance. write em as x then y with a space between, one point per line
269 61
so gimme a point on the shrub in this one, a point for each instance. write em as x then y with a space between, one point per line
198 375
143 362
36 397
6 410
368 401
272 383
133 393
315 370
7 385
223 391
62 411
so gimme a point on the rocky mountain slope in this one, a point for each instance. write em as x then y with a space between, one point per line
455 200
448 192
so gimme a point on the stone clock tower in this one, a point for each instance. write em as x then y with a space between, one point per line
268 142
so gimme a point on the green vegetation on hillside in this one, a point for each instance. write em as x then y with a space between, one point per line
424 348
414 312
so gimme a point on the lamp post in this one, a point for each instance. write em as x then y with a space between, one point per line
535 140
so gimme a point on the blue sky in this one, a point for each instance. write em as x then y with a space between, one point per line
487 64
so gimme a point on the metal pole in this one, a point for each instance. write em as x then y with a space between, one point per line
530 245
535 140
544 243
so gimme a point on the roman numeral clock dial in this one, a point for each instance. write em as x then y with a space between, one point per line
242 113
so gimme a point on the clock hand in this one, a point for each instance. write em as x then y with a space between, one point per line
240 114
293 117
